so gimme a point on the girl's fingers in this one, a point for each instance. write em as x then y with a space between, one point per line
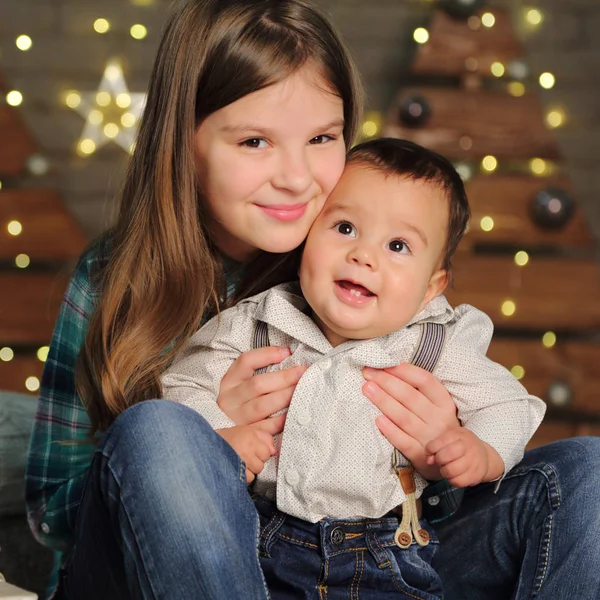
257 409
396 412
398 438
244 366
267 383
401 391
423 381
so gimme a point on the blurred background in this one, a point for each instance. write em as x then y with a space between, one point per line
508 90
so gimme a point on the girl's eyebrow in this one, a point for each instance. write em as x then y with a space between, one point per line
251 128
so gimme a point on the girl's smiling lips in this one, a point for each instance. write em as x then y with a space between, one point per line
284 212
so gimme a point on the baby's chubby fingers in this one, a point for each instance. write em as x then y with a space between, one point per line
247 363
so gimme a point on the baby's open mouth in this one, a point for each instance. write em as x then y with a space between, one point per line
354 288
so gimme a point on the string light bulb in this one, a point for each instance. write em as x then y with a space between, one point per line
6 354
138 32
488 19
547 80
534 17
516 89
538 166
521 258
555 118
518 372
497 69
486 223
101 25
14 98
489 163
549 339
32 384
22 261
14 228
421 35
508 308
42 353
23 43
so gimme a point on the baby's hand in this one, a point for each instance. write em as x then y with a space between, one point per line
254 443
463 458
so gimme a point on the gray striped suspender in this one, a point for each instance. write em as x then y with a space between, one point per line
428 352
260 339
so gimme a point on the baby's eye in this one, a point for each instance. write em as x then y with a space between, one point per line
345 228
254 143
399 246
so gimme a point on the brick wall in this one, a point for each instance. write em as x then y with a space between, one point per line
68 54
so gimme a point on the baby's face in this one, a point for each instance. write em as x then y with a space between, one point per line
372 258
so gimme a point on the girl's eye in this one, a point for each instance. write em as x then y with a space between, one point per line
321 139
345 228
399 246
254 143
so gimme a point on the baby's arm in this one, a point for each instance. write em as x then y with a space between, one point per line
498 415
194 377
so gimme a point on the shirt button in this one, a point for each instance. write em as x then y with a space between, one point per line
326 364
45 528
337 536
303 417
292 477
433 501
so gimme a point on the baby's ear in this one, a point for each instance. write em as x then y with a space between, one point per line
437 284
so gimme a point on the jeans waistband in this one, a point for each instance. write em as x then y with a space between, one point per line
333 536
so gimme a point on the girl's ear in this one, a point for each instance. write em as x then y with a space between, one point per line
437 284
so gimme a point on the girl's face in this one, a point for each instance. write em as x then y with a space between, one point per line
267 162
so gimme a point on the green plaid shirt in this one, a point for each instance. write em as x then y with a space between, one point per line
60 452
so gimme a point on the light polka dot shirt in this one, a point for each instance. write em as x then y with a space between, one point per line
332 459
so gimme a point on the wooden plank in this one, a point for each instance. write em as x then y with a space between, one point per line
552 432
454 48
472 124
572 362
549 294
16 144
29 305
49 231
507 199
568 360
14 373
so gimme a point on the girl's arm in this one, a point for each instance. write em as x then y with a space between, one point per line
60 452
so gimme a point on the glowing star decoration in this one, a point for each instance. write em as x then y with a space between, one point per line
111 113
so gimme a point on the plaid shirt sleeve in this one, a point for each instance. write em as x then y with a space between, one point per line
60 452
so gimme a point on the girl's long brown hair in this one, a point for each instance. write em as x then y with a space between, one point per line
163 275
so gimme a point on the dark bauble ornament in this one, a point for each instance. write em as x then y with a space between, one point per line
414 111
559 394
552 208
462 9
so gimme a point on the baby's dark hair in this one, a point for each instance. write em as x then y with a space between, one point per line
401 157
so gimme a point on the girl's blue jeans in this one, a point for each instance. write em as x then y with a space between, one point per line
166 514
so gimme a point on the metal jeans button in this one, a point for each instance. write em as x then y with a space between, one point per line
337 536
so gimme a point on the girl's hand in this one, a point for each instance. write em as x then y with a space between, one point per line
247 398
416 409
254 443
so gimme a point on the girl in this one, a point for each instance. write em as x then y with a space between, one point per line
251 107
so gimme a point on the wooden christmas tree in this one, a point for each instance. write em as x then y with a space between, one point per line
528 258
39 241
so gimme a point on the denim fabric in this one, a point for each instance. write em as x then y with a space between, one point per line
537 537
342 559
165 514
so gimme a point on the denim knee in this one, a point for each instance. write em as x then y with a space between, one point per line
156 432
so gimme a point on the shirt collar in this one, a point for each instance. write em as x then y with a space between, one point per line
285 308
